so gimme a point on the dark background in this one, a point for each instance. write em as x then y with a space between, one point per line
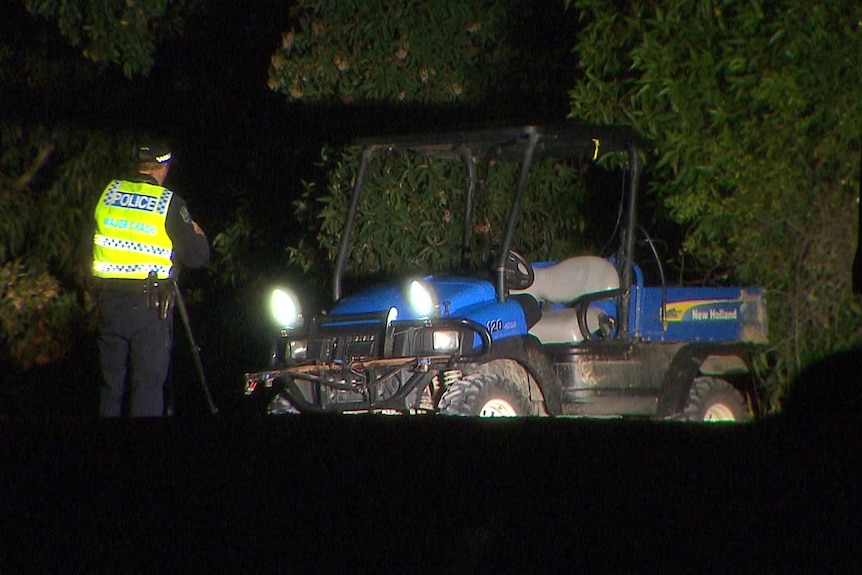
321 494
437 494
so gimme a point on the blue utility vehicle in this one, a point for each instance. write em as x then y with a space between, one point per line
582 336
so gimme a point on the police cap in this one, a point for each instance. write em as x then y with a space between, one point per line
155 152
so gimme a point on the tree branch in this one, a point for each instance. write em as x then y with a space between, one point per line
24 179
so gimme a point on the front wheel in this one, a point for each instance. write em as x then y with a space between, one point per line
484 395
280 405
713 399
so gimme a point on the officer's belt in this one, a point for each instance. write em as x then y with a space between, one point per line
121 286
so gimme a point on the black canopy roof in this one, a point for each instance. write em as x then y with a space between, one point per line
510 142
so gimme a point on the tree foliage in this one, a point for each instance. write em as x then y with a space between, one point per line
50 178
755 113
373 50
422 55
412 214
121 33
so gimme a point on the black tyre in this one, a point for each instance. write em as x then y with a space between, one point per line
484 395
280 405
714 399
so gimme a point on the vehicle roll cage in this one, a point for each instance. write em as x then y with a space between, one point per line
508 143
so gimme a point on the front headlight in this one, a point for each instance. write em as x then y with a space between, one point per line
297 349
446 340
285 309
423 299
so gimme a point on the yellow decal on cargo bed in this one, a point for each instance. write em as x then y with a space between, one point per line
700 310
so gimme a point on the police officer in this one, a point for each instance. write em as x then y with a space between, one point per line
142 232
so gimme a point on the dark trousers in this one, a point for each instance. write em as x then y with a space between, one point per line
135 352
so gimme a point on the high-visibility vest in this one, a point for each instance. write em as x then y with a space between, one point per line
130 239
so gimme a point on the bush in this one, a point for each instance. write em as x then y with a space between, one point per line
39 320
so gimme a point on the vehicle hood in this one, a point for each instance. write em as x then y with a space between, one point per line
454 294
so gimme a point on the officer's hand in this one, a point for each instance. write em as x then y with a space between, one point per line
198 229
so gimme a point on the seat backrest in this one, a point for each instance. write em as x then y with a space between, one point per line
567 280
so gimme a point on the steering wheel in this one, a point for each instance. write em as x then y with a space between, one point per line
518 273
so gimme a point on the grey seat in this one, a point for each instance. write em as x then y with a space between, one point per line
564 283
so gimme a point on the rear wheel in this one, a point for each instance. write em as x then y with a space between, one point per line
714 399
484 395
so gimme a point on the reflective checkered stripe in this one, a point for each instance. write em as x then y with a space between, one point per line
136 271
130 239
125 245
